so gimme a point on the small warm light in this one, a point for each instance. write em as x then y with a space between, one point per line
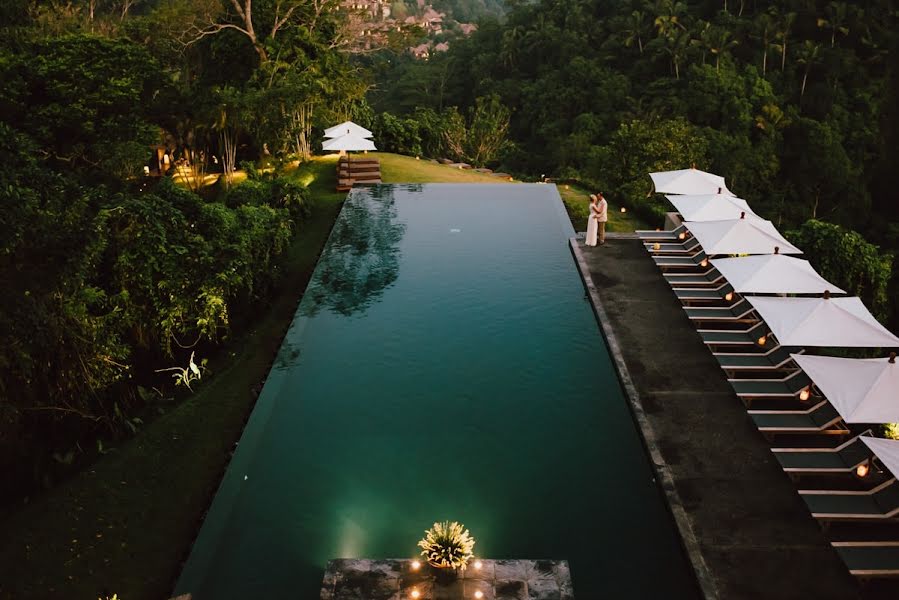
623 209
566 187
460 167
510 179
146 170
657 246
417 158
863 469
414 594
761 341
729 296
479 594
704 263
165 159
478 564
415 565
805 394
681 235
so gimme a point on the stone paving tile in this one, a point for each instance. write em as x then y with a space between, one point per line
365 579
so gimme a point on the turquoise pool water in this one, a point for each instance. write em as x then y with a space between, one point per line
444 363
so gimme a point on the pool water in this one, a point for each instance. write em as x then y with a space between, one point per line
444 363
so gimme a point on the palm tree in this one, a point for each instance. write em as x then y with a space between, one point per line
764 25
807 56
668 14
676 45
635 28
720 43
837 16
704 38
784 25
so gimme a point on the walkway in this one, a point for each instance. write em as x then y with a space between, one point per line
752 536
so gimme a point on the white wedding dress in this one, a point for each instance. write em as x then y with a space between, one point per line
592 228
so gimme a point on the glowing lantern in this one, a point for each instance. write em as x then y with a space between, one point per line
863 469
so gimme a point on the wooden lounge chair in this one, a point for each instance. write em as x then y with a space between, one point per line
822 418
669 235
744 338
845 458
689 247
876 505
789 387
710 278
740 312
776 360
870 559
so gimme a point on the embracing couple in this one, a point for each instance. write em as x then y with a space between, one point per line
596 221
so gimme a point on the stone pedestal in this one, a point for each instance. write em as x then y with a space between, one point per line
393 579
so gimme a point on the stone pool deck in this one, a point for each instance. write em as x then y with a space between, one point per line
396 579
745 529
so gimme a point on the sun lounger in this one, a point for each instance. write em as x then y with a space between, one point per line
870 559
680 262
789 387
776 359
670 235
878 504
706 295
845 458
821 418
747 338
711 278
740 312
690 247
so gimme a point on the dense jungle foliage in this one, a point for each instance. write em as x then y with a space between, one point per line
795 102
112 280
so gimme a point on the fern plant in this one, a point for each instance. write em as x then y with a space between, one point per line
447 545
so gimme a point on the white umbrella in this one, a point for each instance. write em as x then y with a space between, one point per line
862 390
345 128
886 450
711 207
838 322
773 274
740 236
689 181
348 142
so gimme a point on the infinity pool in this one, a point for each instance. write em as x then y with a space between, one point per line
443 364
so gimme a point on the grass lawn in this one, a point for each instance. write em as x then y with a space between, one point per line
396 168
577 202
126 523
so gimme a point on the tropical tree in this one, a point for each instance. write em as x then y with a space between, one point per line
784 25
637 26
807 56
836 20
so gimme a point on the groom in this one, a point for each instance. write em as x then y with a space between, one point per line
602 217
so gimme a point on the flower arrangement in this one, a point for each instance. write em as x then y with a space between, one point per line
447 545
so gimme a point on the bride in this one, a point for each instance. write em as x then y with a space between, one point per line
592 222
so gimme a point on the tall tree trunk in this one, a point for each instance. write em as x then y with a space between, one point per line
228 139
639 43
804 79
783 56
815 207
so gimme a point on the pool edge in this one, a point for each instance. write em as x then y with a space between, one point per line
664 478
